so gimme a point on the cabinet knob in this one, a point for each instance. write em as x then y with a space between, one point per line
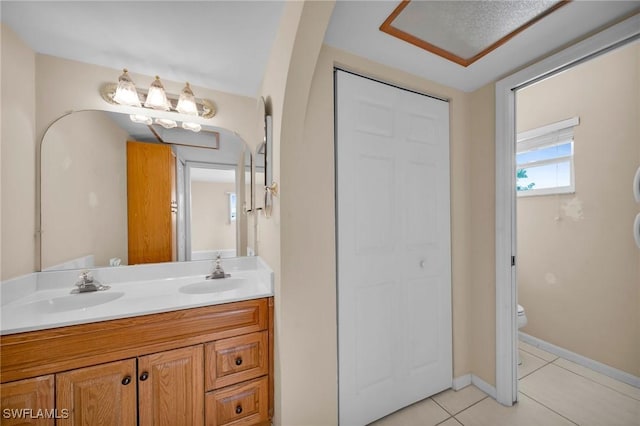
239 409
239 361
144 376
126 380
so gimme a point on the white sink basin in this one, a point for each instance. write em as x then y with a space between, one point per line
214 286
73 302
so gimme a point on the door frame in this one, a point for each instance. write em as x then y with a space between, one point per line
506 289
188 165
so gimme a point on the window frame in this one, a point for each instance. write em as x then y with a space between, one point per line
547 136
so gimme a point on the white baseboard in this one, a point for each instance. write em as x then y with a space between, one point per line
468 379
605 369
461 382
484 386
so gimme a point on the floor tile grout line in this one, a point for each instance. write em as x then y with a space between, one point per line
472 405
596 382
531 372
445 420
453 415
549 408
441 406
586 377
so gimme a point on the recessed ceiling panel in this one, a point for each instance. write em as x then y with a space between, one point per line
464 31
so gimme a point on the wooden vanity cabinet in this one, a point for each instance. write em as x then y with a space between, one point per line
171 386
104 394
210 365
22 400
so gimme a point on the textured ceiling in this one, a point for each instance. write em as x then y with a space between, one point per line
224 45
354 27
464 30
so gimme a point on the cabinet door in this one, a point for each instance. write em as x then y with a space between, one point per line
23 400
171 386
100 395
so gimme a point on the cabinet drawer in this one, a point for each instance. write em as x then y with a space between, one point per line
236 359
244 404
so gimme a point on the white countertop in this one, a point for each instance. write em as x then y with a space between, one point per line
44 301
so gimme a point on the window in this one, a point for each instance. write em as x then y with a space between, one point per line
544 159
232 206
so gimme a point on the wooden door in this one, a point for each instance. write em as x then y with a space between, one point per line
25 398
171 386
394 260
100 395
150 198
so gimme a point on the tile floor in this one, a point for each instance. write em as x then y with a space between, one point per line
553 391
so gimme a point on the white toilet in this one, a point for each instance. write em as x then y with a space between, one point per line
522 317
522 321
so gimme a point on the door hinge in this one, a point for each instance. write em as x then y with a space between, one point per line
513 261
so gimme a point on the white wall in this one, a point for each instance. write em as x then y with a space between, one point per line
18 155
578 269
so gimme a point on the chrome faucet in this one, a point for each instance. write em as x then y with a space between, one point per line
86 283
218 272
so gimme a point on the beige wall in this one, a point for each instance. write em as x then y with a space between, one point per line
578 275
308 253
482 239
210 226
84 190
300 97
60 86
286 87
18 156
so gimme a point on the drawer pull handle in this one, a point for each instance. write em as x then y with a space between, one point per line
239 361
126 380
144 376
239 409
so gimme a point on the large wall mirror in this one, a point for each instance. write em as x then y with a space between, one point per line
115 192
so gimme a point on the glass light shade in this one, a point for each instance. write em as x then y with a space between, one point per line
142 119
126 93
157 98
166 123
194 127
187 102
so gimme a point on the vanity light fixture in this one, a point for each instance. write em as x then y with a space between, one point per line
187 102
141 119
194 127
166 123
156 97
125 93
187 105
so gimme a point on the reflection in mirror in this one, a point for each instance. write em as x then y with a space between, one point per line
212 193
263 174
114 192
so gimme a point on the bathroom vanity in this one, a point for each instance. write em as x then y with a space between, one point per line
207 360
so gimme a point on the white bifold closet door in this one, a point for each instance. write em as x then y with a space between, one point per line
394 248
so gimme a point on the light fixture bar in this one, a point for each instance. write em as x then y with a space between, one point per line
205 107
